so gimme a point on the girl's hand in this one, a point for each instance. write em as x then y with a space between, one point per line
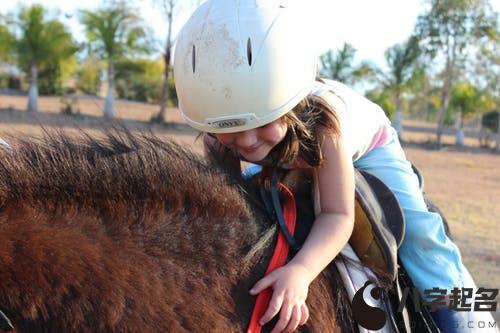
290 284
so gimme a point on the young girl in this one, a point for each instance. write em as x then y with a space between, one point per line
245 74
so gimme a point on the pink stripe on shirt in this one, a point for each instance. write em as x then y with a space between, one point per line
381 137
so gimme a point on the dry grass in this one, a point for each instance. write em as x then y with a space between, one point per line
463 182
88 117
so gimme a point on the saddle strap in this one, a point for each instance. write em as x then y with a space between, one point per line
5 324
270 183
278 259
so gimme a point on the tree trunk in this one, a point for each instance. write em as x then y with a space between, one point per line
109 103
445 101
459 134
498 134
165 91
398 118
451 56
33 90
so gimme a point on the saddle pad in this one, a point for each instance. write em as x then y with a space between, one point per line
379 224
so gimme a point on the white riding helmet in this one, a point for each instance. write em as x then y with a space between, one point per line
242 64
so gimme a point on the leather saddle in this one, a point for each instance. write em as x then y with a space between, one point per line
379 226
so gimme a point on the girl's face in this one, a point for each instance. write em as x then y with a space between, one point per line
255 144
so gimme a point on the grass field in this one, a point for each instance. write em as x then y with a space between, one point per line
463 182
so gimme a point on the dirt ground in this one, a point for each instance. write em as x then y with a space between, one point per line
463 182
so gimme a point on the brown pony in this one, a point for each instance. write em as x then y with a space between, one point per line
132 234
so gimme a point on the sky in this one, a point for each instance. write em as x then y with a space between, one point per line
371 26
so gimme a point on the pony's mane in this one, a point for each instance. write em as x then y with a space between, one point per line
125 179
101 175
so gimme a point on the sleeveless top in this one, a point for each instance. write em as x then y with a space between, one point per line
363 124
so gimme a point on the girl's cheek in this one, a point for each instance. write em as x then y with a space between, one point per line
225 139
276 132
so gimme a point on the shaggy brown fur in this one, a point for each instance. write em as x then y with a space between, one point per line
131 234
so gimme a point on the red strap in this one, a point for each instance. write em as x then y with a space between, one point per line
278 259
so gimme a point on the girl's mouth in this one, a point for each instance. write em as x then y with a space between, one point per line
251 149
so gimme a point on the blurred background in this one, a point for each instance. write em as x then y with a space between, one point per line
433 66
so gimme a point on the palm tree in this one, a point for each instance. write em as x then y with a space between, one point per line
114 32
40 41
6 41
400 59
340 65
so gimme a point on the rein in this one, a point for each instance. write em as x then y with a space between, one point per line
286 218
5 324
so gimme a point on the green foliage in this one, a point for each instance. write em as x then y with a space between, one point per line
88 77
115 31
486 67
6 43
139 80
421 95
400 59
468 100
10 81
454 31
4 80
44 44
69 105
384 100
42 41
451 30
452 25
340 65
172 98
49 79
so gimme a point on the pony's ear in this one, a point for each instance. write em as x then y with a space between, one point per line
229 163
221 157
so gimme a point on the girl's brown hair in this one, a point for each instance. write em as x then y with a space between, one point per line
305 122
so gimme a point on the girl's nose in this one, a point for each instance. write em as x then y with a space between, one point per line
246 139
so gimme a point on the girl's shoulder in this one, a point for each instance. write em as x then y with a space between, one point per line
329 91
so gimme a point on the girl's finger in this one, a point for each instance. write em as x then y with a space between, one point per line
305 314
295 319
262 284
273 308
285 316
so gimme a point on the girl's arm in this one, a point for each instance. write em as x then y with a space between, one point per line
330 232
333 226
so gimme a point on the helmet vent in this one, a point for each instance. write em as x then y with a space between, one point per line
249 52
193 59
